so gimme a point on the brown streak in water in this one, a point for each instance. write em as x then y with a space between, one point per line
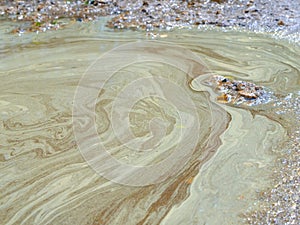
173 191
176 184
180 187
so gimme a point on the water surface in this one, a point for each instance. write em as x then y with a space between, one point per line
45 179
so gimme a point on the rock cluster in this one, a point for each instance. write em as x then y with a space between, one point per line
239 92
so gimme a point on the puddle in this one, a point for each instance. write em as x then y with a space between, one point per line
45 179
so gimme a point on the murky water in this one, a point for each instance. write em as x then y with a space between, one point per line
222 154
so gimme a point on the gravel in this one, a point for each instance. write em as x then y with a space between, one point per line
279 205
257 15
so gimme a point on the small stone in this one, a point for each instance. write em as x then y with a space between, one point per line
224 98
247 94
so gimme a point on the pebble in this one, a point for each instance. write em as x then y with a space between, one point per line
239 92
156 15
281 204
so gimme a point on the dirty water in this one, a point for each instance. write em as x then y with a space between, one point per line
225 153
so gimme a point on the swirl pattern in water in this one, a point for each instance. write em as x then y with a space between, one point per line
154 122
146 110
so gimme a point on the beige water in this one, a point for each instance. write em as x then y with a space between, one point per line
222 155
